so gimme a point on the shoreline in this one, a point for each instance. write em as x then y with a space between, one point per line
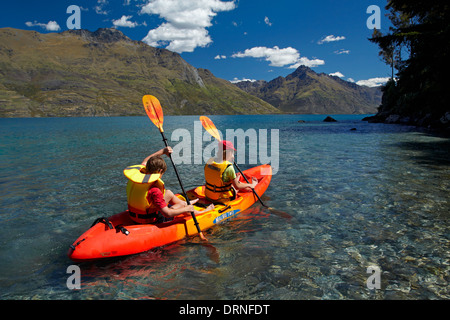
438 124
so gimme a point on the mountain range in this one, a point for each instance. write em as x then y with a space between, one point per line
105 73
307 92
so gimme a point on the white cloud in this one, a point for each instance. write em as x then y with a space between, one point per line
373 82
125 22
50 26
218 57
279 57
303 61
342 51
351 80
236 80
337 74
178 40
53 26
186 22
267 21
331 38
99 9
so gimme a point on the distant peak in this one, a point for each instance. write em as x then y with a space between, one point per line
303 67
301 73
110 35
101 35
302 70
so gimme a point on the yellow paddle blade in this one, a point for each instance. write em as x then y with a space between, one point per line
154 110
210 127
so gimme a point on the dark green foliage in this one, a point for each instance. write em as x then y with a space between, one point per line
418 47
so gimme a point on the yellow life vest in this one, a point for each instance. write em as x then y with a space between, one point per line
215 188
137 188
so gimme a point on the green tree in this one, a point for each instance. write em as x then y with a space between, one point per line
421 30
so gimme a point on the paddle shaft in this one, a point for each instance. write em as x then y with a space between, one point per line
246 180
181 184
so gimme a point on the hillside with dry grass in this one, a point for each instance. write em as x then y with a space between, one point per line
104 73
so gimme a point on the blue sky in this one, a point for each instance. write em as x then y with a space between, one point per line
240 39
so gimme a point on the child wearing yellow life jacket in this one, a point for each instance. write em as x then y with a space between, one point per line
221 179
148 200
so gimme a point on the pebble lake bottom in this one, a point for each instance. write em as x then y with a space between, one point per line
345 200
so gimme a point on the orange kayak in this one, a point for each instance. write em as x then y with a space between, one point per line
118 235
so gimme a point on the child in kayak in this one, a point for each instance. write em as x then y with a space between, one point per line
221 179
148 200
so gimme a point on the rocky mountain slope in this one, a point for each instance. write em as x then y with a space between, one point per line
104 73
305 91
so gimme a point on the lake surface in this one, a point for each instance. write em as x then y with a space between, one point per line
345 200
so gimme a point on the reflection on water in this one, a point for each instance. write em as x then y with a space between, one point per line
343 200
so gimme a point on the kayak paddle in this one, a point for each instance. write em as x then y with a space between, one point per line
155 113
212 130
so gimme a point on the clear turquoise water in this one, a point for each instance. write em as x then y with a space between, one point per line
344 200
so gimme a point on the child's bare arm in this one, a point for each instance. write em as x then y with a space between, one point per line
171 212
166 151
242 185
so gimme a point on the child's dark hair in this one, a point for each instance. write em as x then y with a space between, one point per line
155 164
